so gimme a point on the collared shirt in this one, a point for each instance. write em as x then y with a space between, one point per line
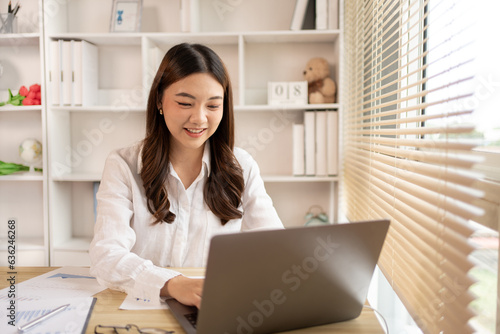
130 253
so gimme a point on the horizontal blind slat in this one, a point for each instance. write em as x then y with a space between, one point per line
407 180
406 86
416 143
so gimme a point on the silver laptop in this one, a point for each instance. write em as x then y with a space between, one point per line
277 280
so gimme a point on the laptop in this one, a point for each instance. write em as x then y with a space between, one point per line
269 281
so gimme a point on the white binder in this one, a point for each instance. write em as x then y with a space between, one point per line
55 81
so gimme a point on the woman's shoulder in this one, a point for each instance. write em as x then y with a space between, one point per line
128 155
244 158
242 155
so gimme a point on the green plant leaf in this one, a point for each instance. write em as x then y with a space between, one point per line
7 168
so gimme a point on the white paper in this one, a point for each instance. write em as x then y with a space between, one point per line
41 294
70 320
65 282
132 303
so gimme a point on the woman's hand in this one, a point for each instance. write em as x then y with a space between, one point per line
186 290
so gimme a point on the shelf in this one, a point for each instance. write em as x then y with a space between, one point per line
83 109
125 39
9 108
212 38
23 176
238 108
96 177
91 177
281 178
267 107
15 40
292 36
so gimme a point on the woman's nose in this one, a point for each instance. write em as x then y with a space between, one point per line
199 115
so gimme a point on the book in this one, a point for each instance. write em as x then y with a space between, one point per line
96 189
310 17
67 73
333 14
77 73
332 142
299 14
190 16
321 150
310 142
85 69
55 81
298 149
321 14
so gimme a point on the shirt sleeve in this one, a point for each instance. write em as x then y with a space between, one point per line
112 262
258 209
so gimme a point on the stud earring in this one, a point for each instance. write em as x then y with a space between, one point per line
161 111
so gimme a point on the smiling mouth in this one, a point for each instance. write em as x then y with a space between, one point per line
194 131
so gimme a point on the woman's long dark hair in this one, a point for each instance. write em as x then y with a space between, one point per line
223 189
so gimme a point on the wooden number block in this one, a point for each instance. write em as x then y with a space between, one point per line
288 92
297 92
277 93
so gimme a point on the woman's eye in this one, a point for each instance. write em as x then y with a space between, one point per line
214 106
182 104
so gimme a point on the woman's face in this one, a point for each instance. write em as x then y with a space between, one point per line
192 108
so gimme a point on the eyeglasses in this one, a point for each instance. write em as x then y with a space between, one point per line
129 329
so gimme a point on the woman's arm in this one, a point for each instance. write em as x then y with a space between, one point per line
112 261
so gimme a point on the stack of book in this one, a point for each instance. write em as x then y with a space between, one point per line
73 74
315 14
315 144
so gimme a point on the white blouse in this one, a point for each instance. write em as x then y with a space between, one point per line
129 253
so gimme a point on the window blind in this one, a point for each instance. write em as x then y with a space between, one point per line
408 74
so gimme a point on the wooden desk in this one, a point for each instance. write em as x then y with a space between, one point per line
106 310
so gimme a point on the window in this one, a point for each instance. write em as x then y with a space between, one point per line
410 128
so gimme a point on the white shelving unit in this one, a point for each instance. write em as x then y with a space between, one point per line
79 139
23 196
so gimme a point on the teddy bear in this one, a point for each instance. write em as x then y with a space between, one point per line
321 88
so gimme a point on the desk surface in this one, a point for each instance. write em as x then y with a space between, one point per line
106 310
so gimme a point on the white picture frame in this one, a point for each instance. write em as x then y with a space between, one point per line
126 16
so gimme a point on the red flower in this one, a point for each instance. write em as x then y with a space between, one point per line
31 95
28 102
35 88
23 91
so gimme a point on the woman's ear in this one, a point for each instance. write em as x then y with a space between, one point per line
159 104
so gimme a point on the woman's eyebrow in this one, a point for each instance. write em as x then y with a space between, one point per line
186 95
217 97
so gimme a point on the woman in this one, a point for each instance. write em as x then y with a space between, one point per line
161 200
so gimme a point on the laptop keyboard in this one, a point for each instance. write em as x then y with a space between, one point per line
191 317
